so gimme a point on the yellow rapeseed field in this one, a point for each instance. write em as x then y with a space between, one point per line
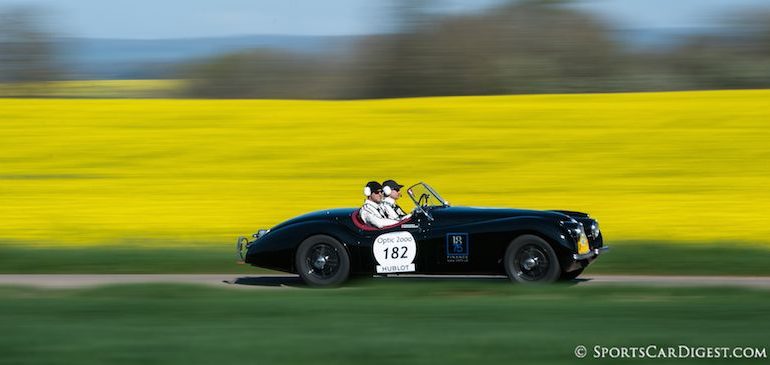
685 166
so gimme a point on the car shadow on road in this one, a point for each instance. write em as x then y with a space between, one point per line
439 279
578 281
502 280
294 281
269 281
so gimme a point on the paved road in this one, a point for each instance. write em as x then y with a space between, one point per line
291 281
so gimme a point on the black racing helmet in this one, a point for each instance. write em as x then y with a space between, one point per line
372 187
389 185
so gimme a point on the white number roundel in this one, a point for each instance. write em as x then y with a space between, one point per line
395 252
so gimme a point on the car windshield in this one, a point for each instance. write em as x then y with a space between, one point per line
424 196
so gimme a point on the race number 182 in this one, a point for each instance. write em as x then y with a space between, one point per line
396 252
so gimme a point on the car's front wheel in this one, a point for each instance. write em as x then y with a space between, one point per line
529 259
322 261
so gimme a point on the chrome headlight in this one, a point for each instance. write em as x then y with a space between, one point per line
260 233
574 228
578 234
595 230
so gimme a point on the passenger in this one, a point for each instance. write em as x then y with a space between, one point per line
372 211
392 191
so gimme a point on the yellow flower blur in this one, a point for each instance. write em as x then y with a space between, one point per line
683 166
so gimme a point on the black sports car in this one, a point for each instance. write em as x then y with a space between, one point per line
327 246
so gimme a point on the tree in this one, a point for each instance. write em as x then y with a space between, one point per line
737 58
264 73
27 49
521 47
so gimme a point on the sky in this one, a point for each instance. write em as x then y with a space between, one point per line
157 19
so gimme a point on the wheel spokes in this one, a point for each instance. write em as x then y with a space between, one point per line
323 261
531 263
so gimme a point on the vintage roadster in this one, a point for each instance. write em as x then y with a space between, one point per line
529 246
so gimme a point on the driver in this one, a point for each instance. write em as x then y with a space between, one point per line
392 191
372 212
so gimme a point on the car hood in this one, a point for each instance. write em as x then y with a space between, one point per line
461 215
445 215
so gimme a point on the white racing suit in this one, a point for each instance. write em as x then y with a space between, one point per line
391 210
373 215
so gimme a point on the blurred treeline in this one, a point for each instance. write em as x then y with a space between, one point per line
28 51
517 47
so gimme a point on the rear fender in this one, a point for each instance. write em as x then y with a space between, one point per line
276 250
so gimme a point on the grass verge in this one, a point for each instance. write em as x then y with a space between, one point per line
414 323
651 258
121 260
658 258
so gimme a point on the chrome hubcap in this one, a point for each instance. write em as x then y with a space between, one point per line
320 262
531 263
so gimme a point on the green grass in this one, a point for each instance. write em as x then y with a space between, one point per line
121 260
657 258
623 258
404 323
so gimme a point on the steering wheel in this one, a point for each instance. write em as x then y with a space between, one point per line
419 201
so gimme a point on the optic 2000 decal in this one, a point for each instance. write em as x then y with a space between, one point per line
395 252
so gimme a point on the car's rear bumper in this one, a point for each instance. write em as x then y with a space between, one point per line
241 246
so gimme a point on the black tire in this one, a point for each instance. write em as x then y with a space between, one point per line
531 260
322 261
571 275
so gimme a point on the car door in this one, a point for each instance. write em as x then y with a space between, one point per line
445 248
394 250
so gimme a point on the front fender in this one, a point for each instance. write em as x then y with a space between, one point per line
504 230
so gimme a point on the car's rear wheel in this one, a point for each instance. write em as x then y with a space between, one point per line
529 259
322 261
571 275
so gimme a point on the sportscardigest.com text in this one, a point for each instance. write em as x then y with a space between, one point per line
670 352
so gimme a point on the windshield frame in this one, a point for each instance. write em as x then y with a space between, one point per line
426 208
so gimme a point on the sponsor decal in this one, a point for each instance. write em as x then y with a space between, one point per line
394 252
457 247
